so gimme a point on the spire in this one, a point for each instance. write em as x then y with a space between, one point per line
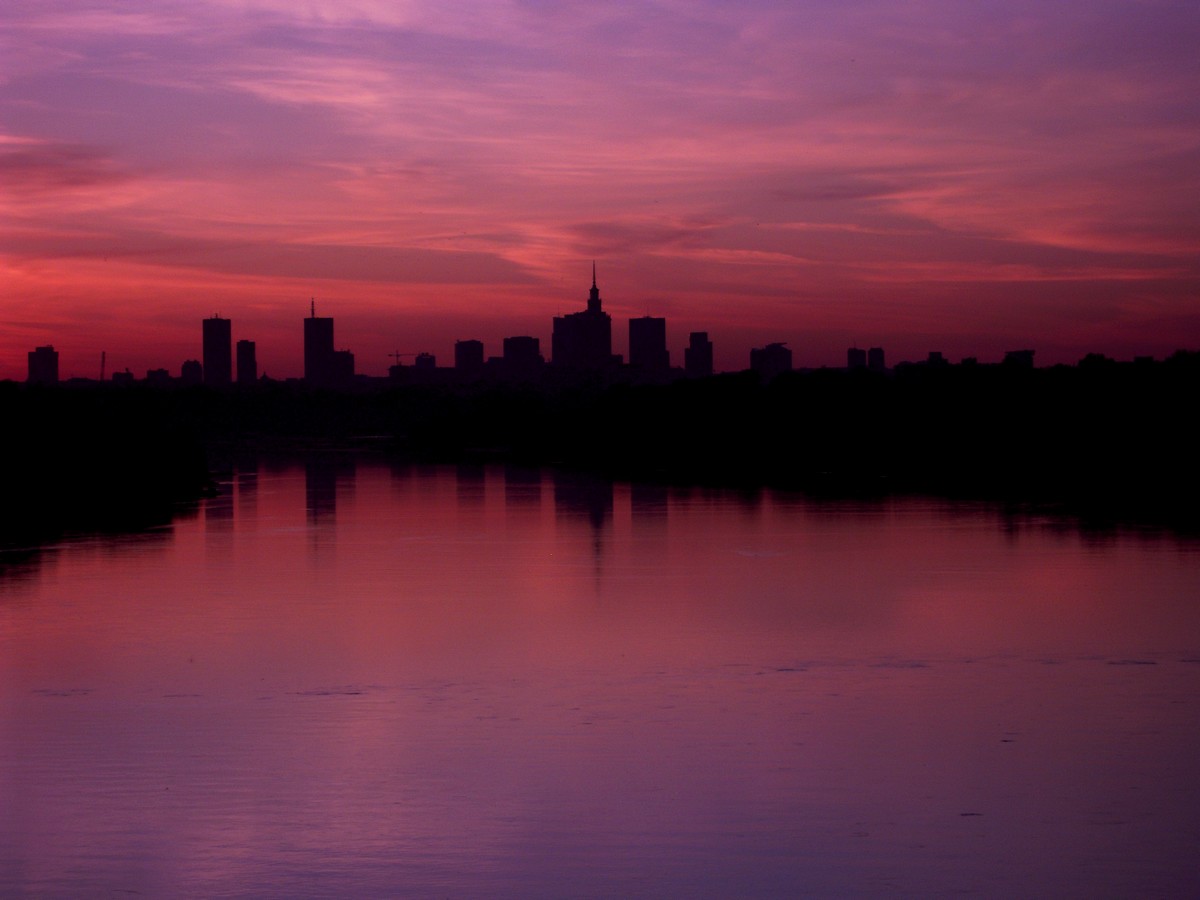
593 304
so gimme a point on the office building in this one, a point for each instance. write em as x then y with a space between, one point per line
324 366
247 363
43 365
771 360
856 358
468 358
583 340
522 357
648 354
698 355
875 359
218 352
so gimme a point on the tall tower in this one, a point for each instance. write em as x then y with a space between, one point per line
583 340
43 365
648 354
698 355
318 349
593 305
218 352
247 364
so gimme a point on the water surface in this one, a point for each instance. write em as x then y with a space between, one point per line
341 679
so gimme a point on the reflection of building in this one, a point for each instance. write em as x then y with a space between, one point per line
247 364
43 365
218 352
648 354
698 355
771 360
856 358
583 340
324 366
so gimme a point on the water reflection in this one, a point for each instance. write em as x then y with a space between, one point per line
510 683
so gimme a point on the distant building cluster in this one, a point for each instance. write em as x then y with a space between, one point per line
580 346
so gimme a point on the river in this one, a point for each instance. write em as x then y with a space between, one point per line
341 678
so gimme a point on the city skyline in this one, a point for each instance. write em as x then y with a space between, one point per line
966 179
582 341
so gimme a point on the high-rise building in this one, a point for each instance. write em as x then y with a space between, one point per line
319 366
247 363
856 358
875 359
648 354
771 360
583 340
218 352
522 356
468 357
698 355
43 365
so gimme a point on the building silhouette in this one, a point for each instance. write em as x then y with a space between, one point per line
425 362
1019 359
583 340
875 359
191 372
771 360
468 358
648 354
247 363
522 357
324 366
218 352
43 365
856 358
698 355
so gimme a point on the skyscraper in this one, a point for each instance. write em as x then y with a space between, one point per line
583 340
698 355
648 354
218 352
247 364
771 360
468 358
318 349
43 365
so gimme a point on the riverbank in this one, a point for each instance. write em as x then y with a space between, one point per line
1108 442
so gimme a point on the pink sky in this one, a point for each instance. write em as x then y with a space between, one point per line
969 178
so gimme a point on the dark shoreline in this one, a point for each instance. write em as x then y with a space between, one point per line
1107 443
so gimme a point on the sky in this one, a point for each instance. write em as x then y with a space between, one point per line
928 175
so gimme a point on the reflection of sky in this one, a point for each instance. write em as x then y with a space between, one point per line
756 697
929 175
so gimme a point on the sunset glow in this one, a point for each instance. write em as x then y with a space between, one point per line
969 178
